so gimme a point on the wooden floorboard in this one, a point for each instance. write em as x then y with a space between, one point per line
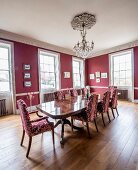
115 147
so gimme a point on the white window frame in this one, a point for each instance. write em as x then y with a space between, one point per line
82 74
111 70
57 70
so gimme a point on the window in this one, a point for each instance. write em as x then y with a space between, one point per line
78 73
49 70
5 68
121 66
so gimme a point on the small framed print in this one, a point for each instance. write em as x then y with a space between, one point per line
66 74
97 80
104 75
27 66
97 74
27 75
27 83
91 76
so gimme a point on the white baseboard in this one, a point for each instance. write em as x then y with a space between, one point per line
135 101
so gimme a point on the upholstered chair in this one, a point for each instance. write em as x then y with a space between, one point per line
103 106
59 95
111 89
89 114
84 91
73 93
113 102
33 127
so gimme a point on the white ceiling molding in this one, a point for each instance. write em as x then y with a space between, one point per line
19 38
115 49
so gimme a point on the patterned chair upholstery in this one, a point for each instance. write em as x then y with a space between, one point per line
33 127
59 95
89 114
73 93
113 102
103 105
84 91
111 89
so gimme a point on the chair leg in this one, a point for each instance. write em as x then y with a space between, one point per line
108 116
22 137
96 125
53 137
29 146
117 111
113 112
103 119
72 124
87 124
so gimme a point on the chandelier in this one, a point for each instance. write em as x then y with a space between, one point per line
82 22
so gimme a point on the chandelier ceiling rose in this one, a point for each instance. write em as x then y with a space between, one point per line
83 20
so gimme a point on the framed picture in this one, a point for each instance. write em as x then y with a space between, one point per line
104 75
97 74
91 76
27 83
27 75
98 80
66 74
27 66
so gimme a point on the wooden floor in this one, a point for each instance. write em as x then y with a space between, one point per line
114 147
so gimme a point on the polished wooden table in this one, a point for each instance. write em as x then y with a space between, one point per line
62 110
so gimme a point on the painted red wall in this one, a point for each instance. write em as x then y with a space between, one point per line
101 64
66 66
136 72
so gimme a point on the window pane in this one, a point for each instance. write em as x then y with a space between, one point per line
122 74
122 66
116 67
4 76
4 86
4 64
4 53
122 82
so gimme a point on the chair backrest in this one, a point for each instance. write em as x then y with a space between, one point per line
84 91
59 95
106 100
24 116
73 92
111 89
92 107
114 98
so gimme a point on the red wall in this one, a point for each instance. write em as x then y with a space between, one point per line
66 66
28 54
136 72
101 63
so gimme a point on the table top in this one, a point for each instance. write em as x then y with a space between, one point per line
63 109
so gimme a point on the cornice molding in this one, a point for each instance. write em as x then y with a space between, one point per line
30 41
115 49
22 39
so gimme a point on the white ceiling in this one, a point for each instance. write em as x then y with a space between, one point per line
49 21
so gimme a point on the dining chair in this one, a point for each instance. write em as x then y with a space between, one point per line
103 106
111 89
89 114
73 93
33 127
84 91
59 95
113 102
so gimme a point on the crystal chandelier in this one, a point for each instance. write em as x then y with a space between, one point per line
83 22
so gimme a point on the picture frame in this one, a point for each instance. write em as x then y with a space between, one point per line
27 67
27 83
27 75
66 74
97 80
91 76
97 74
104 75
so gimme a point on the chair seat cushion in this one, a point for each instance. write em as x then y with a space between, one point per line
41 126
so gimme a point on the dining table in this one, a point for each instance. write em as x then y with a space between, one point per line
62 110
